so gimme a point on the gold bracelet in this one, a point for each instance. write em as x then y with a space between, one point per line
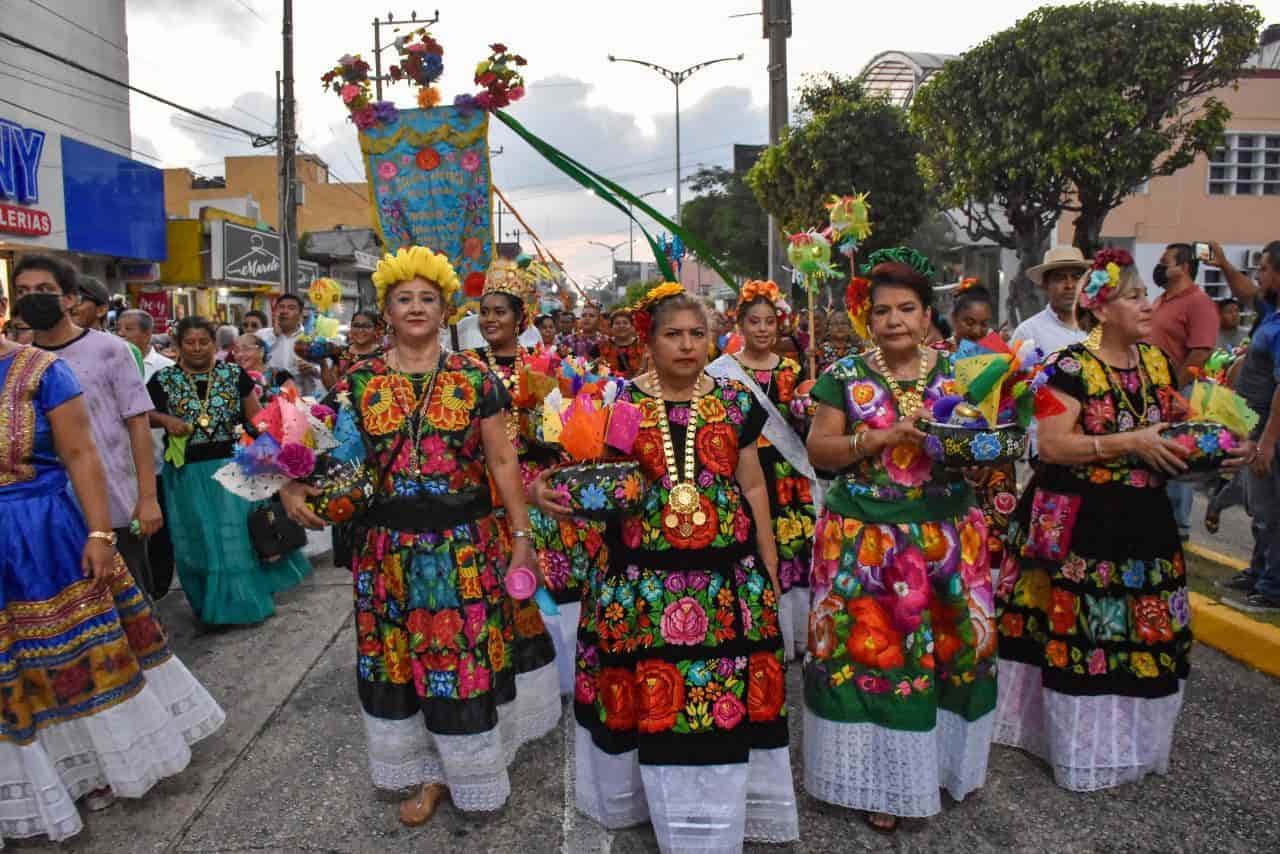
108 536
1097 449
522 534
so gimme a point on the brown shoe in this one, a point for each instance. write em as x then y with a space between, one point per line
417 810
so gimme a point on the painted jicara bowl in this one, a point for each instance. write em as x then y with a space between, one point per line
1206 442
599 491
962 447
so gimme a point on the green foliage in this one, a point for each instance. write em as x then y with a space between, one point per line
1094 98
727 216
846 142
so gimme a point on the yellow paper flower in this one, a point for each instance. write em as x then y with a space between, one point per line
415 262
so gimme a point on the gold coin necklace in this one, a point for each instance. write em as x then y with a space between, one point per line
684 509
911 399
203 419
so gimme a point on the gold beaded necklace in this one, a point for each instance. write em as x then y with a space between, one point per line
203 420
682 500
510 382
911 399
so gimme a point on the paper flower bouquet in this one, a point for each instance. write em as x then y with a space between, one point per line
1219 421
288 434
985 422
589 422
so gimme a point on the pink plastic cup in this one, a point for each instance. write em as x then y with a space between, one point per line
520 582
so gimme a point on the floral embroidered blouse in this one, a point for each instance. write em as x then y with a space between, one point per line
728 417
779 385
442 451
1145 396
187 396
901 484
623 361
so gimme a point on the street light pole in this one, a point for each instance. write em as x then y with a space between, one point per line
631 222
676 78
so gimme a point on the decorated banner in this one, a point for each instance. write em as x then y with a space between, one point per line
429 170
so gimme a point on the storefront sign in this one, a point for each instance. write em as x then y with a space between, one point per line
251 256
156 304
20 151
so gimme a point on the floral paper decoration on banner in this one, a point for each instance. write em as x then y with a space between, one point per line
421 63
850 221
502 83
350 80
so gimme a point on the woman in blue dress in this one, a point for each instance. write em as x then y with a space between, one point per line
93 704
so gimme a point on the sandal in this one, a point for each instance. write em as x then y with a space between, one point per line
1211 522
877 822
419 809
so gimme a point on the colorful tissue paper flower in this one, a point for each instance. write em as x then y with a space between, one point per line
428 97
387 170
259 457
323 413
385 112
349 93
296 460
364 118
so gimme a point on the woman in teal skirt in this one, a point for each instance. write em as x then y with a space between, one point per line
199 403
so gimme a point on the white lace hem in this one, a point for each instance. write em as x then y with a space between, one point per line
474 767
702 808
129 747
1091 743
865 766
563 628
793 614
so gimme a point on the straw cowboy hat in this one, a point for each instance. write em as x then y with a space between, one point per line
1058 258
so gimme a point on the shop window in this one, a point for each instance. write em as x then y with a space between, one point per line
1246 164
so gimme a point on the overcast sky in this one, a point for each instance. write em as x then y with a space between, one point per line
221 57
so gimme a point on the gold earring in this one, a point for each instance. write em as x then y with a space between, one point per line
1094 339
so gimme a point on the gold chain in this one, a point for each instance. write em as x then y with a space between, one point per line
203 420
512 419
682 500
1122 397
913 398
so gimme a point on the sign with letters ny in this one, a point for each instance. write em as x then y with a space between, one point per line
20 152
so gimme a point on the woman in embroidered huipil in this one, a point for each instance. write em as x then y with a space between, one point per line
453 675
624 351
1094 625
95 704
788 475
568 550
680 699
250 353
900 683
200 402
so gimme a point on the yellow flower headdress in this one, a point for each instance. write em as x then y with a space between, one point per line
508 277
413 263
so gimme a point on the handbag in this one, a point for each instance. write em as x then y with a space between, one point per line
347 489
273 534
1053 525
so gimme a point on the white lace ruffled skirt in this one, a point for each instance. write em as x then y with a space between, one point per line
129 746
865 766
563 628
702 808
1091 742
402 753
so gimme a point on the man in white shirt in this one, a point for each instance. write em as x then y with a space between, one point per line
1054 326
280 339
136 327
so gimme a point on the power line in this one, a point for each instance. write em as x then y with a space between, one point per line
110 142
43 76
258 139
82 29
253 11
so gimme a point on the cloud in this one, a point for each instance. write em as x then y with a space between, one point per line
232 17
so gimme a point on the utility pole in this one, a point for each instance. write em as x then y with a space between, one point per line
777 29
378 46
288 223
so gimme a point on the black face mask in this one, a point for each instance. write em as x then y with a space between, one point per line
1160 275
41 311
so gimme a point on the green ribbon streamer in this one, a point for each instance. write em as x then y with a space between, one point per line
610 192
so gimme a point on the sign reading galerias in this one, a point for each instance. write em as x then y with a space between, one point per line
20 151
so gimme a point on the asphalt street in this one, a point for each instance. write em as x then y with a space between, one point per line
287 773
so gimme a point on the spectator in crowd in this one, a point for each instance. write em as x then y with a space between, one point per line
565 322
90 312
624 352
1184 321
546 325
280 340
585 343
136 327
1230 333
1259 384
163 345
1054 326
254 321
1184 324
226 343
116 398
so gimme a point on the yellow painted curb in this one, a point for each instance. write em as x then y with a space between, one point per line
1227 630
1216 557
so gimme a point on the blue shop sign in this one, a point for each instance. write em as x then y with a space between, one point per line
114 205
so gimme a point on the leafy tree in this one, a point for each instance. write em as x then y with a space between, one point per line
844 141
727 216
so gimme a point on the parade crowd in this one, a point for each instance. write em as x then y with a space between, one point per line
789 517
